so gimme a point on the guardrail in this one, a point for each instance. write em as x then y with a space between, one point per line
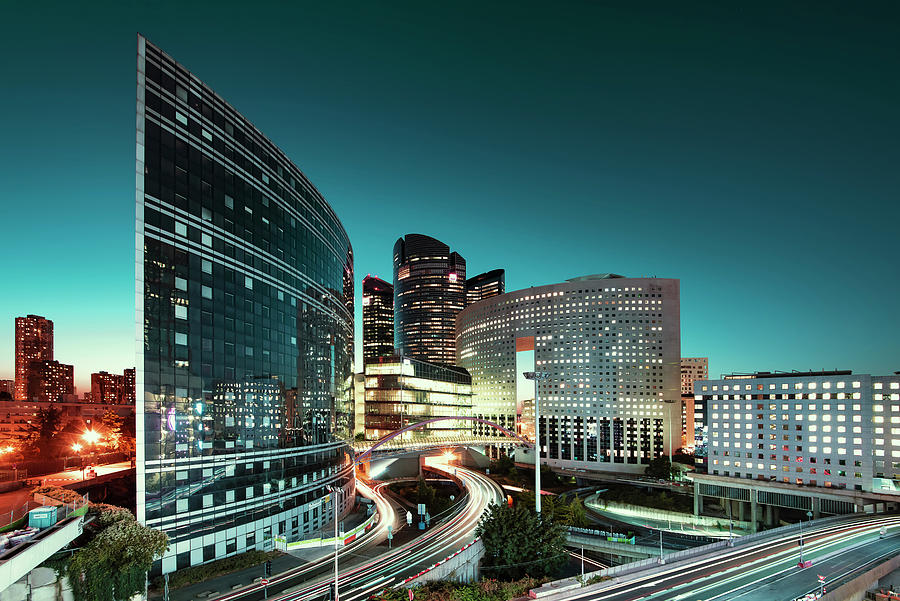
310 543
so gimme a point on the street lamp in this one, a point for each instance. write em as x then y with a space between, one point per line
809 515
335 490
537 376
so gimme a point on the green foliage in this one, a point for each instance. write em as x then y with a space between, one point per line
107 515
39 436
213 569
118 434
360 437
660 468
519 543
486 590
112 566
434 502
63 495
557 510
638 496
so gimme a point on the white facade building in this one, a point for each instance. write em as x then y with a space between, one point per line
830 429
612 348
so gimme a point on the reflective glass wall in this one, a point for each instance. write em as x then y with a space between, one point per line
244 294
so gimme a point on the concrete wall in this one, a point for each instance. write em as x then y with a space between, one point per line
855 590
461 566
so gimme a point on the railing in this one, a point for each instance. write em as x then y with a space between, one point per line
16 517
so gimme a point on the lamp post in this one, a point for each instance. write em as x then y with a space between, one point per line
335 490
537 376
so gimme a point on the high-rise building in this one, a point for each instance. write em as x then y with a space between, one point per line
611 347
692 369
485 285
244 317
823 429
378 318
128 391
7 387
106 388
429 291
401 391
34 342
50 381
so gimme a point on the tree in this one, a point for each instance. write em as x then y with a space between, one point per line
659 468
39 435
360 437
518 542
116 431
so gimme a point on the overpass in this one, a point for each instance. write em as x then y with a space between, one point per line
601 544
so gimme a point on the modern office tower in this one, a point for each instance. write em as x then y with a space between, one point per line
612 348
34 342
244 326
402 390
429 290
825 429
378 318
692 369
106 388
50 381
485 285
128 390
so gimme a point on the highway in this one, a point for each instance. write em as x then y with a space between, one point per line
764 570
360 579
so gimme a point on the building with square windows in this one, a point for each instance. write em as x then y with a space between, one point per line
485 285
34 342
612 348
378 318
816 429
244 328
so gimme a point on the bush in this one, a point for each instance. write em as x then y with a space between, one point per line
485 590
107 515
58 493
213 569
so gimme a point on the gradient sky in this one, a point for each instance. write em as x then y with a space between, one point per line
749 149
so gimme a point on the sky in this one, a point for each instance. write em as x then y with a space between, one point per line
748 149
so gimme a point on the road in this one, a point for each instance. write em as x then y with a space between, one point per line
363 578
763 570
76 475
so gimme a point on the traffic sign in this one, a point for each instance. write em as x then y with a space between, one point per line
411 595
821 578
264 581
409 518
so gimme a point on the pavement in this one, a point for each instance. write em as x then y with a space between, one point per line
76 475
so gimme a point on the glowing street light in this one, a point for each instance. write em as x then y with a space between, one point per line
76 447
91 436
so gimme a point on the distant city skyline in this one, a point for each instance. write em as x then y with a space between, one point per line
747 151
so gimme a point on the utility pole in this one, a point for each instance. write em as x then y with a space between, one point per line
335 490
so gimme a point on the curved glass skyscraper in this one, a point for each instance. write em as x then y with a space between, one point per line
244 300
429 290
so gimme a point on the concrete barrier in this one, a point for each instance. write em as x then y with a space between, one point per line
461 566
855 590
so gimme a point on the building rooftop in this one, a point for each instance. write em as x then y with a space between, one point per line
596 276
785 374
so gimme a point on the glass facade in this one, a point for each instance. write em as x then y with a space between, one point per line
485 285
244 328
401 391
429 291
378 318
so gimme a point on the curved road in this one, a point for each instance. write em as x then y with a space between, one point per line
359 580
765 570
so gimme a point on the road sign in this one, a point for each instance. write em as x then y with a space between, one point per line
264 581
409 518
411 595
821 578
421 508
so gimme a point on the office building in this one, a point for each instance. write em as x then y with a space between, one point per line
50 381
485 285
34 342
819 429
429 291
128 390
378 318
692 369
402 390
244 319
7 387
612 348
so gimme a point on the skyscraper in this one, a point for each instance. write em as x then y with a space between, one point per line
612 348
378 318
50 381
692 369
244 318
429 291
128 391
485 285
34 342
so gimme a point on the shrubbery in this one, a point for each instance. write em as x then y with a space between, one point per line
655 500
235 563
58 493
486 590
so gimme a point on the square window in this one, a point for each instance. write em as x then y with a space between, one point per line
206 266
181 284
180 229
229 202
180 312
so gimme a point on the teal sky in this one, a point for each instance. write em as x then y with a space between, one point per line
749 149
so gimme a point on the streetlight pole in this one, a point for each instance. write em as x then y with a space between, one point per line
537 376
335 490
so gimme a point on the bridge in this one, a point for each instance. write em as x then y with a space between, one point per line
393 444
